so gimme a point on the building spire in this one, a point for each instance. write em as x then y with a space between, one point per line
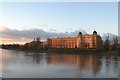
94 28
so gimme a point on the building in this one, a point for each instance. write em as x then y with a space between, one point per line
93 41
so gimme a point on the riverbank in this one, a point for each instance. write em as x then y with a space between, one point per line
84 51
70 50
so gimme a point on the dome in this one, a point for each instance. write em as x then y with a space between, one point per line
80 33
94 31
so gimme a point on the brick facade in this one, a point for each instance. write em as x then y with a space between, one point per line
80 41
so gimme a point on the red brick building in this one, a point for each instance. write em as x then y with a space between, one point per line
80 41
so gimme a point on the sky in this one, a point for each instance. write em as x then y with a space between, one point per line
56 17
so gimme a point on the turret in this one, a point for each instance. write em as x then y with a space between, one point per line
94 32
94 39
80 40
79 34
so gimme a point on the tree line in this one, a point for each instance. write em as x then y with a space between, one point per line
34 45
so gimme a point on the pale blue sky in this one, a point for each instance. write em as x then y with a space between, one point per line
61 16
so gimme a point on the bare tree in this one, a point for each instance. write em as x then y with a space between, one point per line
38 39
115 43
107 43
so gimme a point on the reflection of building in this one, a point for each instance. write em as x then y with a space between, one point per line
87 62
81 41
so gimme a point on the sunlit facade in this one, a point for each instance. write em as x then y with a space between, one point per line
80 41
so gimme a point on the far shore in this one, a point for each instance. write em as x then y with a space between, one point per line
72 51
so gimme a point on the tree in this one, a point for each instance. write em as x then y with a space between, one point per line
34 40
115 43
107 43
38 39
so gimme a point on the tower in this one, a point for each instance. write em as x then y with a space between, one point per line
94 39
80 40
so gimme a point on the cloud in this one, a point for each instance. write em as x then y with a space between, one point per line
3 28
22 36
44 25
27 35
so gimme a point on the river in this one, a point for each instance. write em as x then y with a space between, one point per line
20 64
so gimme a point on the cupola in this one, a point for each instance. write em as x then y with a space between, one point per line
80 33
94 32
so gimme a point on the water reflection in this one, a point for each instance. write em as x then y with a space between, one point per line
82 61
59 65
86 62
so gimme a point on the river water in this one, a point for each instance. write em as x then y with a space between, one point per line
20 64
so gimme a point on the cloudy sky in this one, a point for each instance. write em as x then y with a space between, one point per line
22 21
